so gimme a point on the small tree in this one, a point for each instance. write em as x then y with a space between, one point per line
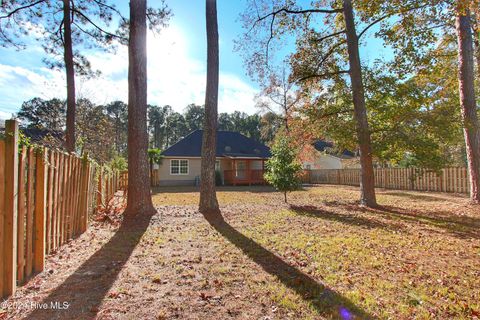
283 170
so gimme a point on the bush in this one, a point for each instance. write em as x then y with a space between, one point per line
118 163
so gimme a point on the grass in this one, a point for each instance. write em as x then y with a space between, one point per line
417 256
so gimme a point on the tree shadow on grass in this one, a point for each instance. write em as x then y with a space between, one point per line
347 218
86 288
327 302
459 226
423 197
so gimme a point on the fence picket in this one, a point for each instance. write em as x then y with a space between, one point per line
21 215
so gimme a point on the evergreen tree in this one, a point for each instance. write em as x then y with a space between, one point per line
283 170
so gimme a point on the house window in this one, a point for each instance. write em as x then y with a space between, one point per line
178 166
217 165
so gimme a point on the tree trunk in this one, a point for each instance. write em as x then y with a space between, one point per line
139 200
208 195
476 41
285 196
367 180
467 101
70 73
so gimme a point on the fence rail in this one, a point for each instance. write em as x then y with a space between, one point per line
46 198
454 179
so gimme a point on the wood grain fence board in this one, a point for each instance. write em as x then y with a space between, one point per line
39 243
61 169
21 215
9 257
100 188
30 211
54 220
51 172
63 214
70 197
2 215
77 196
74 197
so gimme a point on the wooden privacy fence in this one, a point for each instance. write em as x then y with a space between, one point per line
453 179
108 183
46 198
154 178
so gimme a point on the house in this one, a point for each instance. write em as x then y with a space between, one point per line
325 156
240 160
41 136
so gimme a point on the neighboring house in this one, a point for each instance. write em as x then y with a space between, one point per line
46 137
240 160
49 138
326 157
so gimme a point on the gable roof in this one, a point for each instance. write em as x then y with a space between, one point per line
229 144
328 147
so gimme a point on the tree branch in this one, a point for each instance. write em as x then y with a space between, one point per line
286 10
388 16
329 36
98 27
323 75
21 8
111 8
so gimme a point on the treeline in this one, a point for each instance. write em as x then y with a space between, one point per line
102 130
167 126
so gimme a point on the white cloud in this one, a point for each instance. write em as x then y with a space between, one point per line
174 78
5 115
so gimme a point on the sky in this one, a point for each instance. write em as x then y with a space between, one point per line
176 65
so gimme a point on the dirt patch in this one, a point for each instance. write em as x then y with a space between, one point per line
418 256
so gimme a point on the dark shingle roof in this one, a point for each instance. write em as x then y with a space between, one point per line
324 146
46 137
229 144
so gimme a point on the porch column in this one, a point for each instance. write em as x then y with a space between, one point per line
249 174
234 173
263 170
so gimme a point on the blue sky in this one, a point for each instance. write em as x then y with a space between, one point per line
176 65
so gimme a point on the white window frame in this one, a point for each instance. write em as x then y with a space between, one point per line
179 166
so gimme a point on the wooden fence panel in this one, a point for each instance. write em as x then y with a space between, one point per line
453 179
46 198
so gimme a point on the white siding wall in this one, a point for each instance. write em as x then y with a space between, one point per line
179 179
324 161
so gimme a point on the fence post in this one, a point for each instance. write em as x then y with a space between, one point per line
2 212
40 211
10 208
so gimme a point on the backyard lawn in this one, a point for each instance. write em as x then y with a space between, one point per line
323 256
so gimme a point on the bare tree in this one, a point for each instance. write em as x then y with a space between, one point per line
139 200
279 96
208 195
